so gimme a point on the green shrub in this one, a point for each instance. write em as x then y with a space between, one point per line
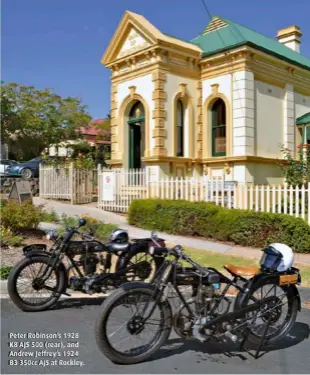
100 229
5 272
243 227
8 238
16 216
50 217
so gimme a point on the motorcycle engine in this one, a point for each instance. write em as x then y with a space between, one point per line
89 263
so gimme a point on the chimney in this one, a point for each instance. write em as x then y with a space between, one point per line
290 37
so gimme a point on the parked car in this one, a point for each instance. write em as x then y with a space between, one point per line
25 170
4 164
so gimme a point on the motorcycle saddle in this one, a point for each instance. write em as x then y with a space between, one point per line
245 270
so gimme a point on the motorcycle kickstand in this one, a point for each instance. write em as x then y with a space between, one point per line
261 343
262 340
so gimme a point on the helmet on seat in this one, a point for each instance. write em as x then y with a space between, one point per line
277 257
119 236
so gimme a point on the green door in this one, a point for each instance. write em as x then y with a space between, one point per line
134 146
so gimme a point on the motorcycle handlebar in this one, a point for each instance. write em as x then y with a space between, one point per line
177 251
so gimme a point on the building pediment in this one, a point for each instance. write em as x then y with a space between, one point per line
131 36
134 42
134 34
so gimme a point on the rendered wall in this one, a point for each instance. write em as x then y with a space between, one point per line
302 104
172 88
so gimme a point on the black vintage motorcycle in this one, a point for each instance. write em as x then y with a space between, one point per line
38 280
264 311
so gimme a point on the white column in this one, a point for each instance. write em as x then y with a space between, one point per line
243 114
289 118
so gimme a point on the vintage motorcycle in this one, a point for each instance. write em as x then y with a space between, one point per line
264 311
38 280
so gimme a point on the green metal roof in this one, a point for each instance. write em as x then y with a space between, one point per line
304 119
234 35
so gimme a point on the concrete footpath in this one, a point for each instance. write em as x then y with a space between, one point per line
121 221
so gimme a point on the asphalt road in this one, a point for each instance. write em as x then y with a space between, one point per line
78 317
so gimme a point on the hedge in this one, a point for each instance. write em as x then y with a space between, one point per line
242 227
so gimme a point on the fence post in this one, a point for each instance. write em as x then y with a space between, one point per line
147 182
41 177
72 183
98 185
308 203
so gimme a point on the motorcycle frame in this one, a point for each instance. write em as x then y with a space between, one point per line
59 250
166 277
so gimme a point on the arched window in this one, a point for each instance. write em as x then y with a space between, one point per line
180 129
136 113
219 128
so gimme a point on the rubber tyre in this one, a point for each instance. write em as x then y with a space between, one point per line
155 263
293 310
13 291
100 333
26 173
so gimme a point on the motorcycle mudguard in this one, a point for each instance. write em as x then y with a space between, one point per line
273 278
137 284
34 247
33 253
40 253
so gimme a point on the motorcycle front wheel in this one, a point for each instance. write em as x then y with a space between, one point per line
24 287
122 341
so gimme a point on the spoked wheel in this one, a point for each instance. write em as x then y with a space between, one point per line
26 289
143 267
123 334
279 313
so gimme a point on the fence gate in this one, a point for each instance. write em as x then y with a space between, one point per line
73 184
117 188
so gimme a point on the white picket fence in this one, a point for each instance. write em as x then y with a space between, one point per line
118 188
73 184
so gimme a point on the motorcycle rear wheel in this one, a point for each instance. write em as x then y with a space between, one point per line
42 304
292 310
146 267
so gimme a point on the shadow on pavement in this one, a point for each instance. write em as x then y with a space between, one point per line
77 303
299 332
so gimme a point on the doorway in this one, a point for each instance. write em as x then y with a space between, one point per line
136 137
134 146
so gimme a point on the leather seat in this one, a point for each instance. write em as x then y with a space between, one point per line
245 270
115 247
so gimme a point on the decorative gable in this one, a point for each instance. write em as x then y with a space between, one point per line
133 43
135 33
215 24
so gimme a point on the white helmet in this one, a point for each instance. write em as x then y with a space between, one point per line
277 257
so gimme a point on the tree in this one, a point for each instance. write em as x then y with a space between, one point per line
33 119
297 172
104 128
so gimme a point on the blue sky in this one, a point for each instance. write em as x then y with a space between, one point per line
59 43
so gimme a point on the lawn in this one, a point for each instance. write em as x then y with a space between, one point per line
216 260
